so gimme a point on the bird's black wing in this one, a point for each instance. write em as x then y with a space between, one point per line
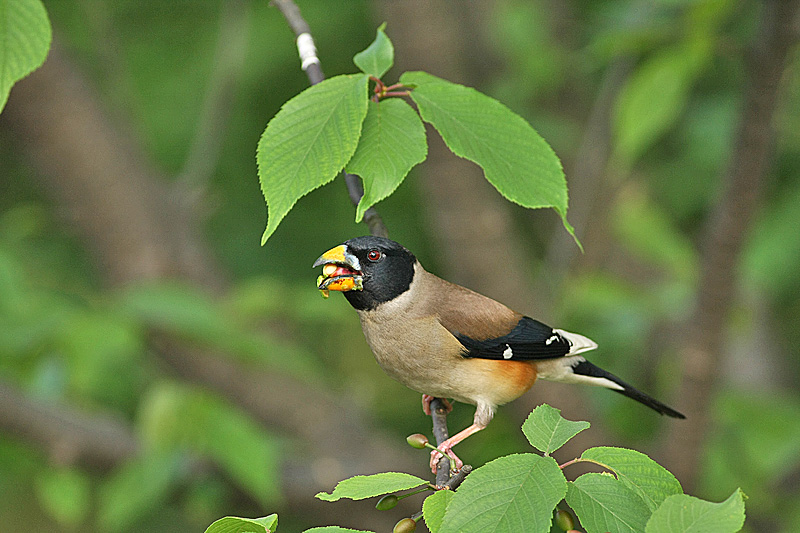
528 340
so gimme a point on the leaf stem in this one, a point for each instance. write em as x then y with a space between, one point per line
592 461
412 493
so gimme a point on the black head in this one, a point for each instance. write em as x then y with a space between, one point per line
382 268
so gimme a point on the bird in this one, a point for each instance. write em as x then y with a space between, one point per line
447 341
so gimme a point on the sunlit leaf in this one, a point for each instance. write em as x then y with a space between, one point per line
508 495
309 141
605 505
434 508
235 524
548 431
378 57
361 487
648 479
392 142
688 514
514 157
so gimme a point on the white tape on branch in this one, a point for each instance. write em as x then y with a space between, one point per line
306 50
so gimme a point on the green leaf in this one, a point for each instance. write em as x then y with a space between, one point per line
548 431
688 514
25 36
653 99
378 57
235 524
392 142
309 141
361 487
334 529
508 495
434 508
66 494
604 504
515 158
649 480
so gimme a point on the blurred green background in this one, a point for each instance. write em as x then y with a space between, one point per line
159 369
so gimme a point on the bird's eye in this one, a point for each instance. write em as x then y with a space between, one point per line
374 255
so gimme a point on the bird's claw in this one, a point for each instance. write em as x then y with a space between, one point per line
426 404
436 456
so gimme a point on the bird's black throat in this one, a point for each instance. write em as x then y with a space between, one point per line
385 279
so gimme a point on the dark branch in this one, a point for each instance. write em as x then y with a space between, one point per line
439 418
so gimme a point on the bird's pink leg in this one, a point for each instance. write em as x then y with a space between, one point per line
447 447
426 404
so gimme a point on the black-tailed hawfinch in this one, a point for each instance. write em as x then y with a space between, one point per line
447 341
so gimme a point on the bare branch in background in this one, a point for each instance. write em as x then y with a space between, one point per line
703 351
134 226
68 436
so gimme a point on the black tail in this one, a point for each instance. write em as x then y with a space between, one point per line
585 368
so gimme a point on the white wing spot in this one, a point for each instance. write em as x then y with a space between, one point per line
551 340
508 353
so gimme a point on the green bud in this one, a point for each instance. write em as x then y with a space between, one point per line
406 525
417 440
564 520
387 502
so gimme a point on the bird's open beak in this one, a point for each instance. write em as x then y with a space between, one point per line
341 271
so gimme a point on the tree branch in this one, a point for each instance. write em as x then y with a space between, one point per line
703 353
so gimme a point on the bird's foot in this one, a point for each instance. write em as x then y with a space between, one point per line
426 404
436 456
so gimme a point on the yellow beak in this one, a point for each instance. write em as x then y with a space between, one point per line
341 272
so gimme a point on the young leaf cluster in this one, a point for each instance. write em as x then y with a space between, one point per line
521 492
334 126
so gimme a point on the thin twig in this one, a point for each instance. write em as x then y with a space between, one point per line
458 477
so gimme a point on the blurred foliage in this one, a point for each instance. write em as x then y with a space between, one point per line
66 338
